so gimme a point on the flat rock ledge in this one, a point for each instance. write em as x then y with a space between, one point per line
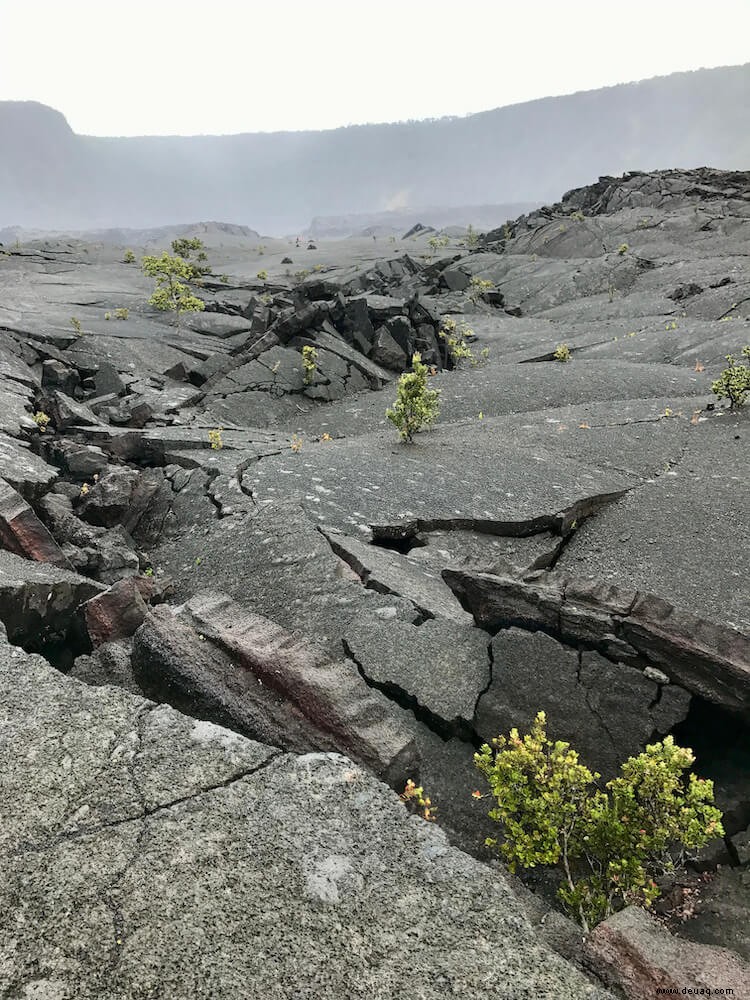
147 854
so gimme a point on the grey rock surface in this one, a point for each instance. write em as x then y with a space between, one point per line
150 850
569 535
609 710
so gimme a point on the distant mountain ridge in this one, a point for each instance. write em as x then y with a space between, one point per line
51 178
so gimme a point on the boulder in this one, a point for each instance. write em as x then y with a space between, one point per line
108 664
221 662
634 954
114 614
23 533
387 352
439 666
39 602
108 502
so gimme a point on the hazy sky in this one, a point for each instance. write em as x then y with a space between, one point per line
139 67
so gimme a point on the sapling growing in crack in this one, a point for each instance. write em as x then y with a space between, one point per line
734 382
172 292
309 362
416 407
609 844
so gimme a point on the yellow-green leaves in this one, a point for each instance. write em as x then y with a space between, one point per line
416 406
734 382
172 292
608 843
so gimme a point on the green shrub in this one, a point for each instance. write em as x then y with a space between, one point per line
309 361
196 269
172 292
121 313
129 257
215 438
623 249
262 275
562 353
471 236
734 382
416 406
610 843
437 242
76 324
41 419
478 287
455 340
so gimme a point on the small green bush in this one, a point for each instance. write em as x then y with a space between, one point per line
172 275
478 287
437 242
121 313
610 843
41 419
129 257
76 324
455 340
309 362
734 382
623 249
472 237
416 406
262 275
562 353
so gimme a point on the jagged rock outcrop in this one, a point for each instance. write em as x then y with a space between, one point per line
219 661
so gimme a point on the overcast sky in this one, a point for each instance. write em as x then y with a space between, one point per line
141 67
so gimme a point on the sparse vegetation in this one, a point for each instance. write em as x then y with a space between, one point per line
438 242
262 275
41 419
214 436
472 237
296 443
128 257
309 362
121 313
734 382
76 324
416 407
455 336
478 287
623 249
416 800
562 353
609 845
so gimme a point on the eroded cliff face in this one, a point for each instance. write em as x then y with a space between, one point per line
569 537
279 182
